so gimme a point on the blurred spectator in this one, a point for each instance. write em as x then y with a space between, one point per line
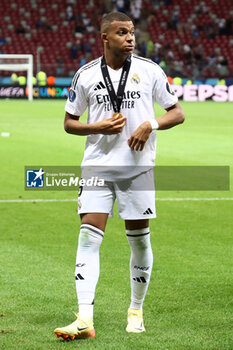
77 48
119 5
175 18
91 6
221 82
79 27
163 65
74 51
70 13
155 57
222 26
168 53
82 61
86 19
178 68
135 9
198 53
20 30
90 28
43 23
210 64
177 81
143 49
23 28
14 79
41 78
60 66
210 30
22 80
180 29
149 48
195 30
187 53
2 41
170 23
229 26
87 46
34 81
222 68
204 8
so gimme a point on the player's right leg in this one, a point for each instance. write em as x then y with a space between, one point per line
87 261
86 276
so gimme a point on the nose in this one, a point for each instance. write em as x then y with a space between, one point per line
130 37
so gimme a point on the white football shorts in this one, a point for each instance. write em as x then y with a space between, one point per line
133 202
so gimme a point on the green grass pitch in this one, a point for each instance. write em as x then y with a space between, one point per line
189 301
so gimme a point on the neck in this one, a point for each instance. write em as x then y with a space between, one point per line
113 61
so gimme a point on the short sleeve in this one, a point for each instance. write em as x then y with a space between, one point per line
162 91
76 103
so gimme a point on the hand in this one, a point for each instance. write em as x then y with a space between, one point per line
140 136
110 126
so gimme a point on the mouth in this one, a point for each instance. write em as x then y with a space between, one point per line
129 47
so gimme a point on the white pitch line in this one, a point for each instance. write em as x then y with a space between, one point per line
74 200
196 199
36 200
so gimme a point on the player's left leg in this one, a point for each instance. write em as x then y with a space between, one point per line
141 262
136 206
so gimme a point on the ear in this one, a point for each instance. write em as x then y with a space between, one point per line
104 37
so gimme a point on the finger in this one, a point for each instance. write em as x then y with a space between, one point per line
133 144
130 140
142 146
138 146
119 121
119 126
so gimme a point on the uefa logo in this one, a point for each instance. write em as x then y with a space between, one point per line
35 178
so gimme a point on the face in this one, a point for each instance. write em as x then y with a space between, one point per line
120 38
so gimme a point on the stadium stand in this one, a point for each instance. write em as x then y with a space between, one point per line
189 38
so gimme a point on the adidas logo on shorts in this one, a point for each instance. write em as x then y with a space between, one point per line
148 211
99 86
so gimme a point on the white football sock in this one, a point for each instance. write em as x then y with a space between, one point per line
87 268
141 262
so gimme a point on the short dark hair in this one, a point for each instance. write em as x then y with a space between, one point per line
113 16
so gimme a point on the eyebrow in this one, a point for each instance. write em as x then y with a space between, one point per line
120 28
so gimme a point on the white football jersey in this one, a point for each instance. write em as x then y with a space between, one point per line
146 83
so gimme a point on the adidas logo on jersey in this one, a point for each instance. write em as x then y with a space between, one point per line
99 86
148 211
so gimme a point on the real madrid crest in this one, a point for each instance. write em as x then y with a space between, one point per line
135 79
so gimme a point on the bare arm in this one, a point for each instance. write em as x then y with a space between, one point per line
110 126
173 117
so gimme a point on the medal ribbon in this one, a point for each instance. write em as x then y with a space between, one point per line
116 99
